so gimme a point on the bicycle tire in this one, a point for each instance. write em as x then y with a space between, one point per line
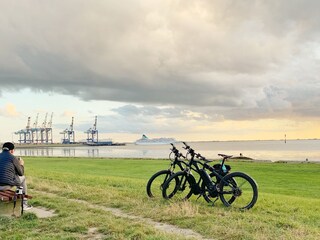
242 187
171 156
155 183
177 186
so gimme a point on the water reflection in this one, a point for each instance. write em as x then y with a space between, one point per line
67 152
145 152
299 150
93 152
34 152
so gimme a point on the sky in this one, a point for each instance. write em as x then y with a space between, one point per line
210 70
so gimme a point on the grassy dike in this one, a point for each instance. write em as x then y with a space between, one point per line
288 206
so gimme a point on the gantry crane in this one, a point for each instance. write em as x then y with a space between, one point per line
28 132
48 130
25 134
31 134
92 133
68 134
35 131
43 129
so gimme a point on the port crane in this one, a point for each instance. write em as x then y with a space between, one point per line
48 130
68 134
92 133
25 135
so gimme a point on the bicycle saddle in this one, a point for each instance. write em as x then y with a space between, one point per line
224 155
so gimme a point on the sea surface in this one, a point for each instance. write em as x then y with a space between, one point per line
291 150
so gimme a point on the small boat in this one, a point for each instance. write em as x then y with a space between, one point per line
103 143
144 140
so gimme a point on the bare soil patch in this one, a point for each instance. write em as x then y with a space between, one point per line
42 212
168 228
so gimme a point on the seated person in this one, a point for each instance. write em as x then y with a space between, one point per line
12 171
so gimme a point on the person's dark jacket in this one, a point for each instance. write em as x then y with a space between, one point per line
10 169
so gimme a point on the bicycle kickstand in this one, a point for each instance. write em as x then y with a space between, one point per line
215 201
200 195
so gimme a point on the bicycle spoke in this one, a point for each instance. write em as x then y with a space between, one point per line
240 193
156 182
177 187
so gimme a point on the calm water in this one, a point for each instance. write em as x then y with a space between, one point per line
293 150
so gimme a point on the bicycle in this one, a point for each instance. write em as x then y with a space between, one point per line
181 181
237 189
156 181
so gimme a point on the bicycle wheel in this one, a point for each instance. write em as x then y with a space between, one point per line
212 198
155 183
238 190
177 186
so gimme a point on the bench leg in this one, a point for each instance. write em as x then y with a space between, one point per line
7 208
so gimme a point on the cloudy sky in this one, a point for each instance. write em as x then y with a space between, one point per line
192 70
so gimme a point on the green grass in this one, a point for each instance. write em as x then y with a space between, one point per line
288 205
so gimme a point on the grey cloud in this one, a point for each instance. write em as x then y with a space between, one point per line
170 113
230 60
143 121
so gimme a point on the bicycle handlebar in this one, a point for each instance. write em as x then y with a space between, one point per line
187 146
198 155
194 154
176 151
189 149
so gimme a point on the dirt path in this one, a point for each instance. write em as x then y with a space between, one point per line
42 212
168 228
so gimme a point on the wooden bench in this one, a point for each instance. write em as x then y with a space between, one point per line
11 203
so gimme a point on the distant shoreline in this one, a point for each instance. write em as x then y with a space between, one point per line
236 159
27 145
55 145
302 151
256 140
81 144
17 145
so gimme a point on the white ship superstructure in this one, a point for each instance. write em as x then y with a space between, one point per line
144 140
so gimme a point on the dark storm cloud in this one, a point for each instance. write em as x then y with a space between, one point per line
219 59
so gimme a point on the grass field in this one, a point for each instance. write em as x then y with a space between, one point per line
288 206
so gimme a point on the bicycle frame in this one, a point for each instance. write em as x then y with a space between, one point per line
204 176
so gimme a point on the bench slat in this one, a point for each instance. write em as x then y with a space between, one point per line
8 195
5 199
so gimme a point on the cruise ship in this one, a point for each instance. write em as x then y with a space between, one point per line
144 140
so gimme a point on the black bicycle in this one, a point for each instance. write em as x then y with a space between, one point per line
155 183
235 189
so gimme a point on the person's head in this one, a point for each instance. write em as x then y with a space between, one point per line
8 146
